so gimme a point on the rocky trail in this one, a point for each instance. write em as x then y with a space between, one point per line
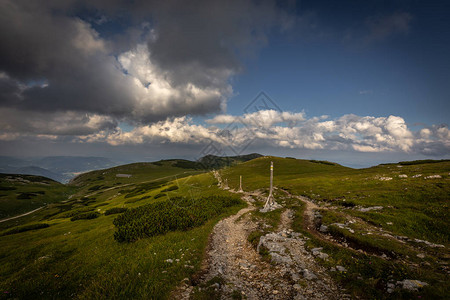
234 268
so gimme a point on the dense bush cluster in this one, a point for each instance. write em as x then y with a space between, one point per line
85 216
144 187
26 228
115 210
161 217
170 188
159 196
324 162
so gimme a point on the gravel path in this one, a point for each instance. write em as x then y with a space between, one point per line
291 271
22 215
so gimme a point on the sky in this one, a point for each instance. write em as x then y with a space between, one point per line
354 82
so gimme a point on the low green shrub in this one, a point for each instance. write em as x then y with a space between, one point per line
254 238
26 228
159 196
85 216
170 188
115 210
176 214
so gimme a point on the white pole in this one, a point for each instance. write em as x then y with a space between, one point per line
240 184
271 180
270 200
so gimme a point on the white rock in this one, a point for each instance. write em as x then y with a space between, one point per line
309 275
411 285
341 269
433 176
323 228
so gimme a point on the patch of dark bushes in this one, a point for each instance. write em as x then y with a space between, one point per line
324 162
26 228
95 187
423 161
345 203
7 188
170 188
85 216
144 187
161 217
115 210
23 196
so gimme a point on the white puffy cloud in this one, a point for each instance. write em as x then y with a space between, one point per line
264 118
157 94
349 132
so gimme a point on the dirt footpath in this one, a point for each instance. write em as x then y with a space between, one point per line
290 272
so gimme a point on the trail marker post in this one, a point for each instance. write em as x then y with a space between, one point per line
240 184
270 202
226 184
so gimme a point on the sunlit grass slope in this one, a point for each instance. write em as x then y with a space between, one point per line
81 258
412 200
23 193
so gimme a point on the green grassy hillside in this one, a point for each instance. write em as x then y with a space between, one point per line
398 211
22 193
68 249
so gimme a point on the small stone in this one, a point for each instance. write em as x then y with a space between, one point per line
421 255
297 286
309 275
341 269
275 292
323 228
411 285
323 256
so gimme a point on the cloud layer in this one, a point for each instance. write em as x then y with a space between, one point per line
275 129
165 59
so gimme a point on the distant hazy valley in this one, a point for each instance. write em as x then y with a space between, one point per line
58 168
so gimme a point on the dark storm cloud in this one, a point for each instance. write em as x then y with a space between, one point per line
170 58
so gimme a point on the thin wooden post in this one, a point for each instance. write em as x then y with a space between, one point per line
270 200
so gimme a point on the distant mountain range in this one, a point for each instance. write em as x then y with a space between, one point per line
59 168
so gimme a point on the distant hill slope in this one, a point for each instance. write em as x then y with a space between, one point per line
59 168
217 162
33 170
22 193
132 174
